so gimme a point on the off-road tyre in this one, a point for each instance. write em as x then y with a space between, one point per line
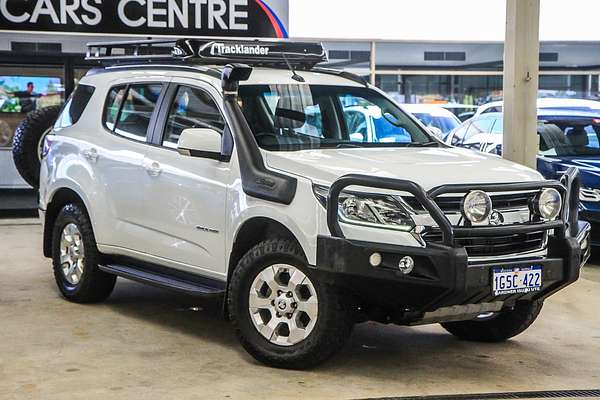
95 285
26 142
499 328
334 322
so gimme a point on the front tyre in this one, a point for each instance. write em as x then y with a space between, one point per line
283 316
498 328
75 258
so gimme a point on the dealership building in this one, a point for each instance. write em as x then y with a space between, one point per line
46 46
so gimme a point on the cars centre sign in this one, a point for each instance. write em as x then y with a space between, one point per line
232 18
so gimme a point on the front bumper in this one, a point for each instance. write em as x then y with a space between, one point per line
444 284
593 217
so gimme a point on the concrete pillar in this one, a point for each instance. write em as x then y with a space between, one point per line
373 62
521 76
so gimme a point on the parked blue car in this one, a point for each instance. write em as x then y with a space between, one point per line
568 138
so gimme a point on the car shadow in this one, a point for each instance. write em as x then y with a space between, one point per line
196 316
374 350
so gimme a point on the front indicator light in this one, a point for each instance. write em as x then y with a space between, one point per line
375 259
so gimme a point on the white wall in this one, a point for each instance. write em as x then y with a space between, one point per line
437 20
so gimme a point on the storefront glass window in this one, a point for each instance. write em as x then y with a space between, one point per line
23 90
475 90
566 86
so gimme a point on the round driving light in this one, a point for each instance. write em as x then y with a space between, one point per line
375 259
549 204
477 206
406 265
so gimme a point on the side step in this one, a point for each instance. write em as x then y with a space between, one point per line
179 281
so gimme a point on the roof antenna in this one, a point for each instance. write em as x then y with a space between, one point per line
295 76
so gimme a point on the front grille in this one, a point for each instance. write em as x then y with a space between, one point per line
451 204
490 246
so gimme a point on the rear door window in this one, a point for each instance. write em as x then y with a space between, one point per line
130 109
570 137
113 105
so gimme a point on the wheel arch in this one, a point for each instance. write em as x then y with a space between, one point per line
59 199
250 233
254 231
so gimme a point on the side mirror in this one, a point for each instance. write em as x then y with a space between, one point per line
200 142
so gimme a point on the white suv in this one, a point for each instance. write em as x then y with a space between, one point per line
187 170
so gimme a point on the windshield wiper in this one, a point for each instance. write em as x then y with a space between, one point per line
347 146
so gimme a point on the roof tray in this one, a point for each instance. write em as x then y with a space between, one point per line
301 55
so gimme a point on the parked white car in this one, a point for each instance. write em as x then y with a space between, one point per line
214 175
543 103
439 120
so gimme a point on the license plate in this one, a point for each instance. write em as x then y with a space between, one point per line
516 280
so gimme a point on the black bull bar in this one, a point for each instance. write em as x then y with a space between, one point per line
565 226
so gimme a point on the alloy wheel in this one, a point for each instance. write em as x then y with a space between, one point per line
72 254
283 304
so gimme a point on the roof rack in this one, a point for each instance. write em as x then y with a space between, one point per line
301 55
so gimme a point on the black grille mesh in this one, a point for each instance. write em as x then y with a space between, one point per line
499 201
486 246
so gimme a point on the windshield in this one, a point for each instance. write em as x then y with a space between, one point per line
297 117
444 124
573 137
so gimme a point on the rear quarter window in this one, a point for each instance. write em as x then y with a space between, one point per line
74 107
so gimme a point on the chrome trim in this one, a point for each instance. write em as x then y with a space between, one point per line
542 252
589 195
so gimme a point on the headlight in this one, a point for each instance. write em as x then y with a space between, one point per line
548 204
369 209
477 206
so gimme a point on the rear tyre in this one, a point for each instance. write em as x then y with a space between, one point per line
28 141
75 258
498 328
283 315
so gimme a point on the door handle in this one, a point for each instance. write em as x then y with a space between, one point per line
91 155
153 168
